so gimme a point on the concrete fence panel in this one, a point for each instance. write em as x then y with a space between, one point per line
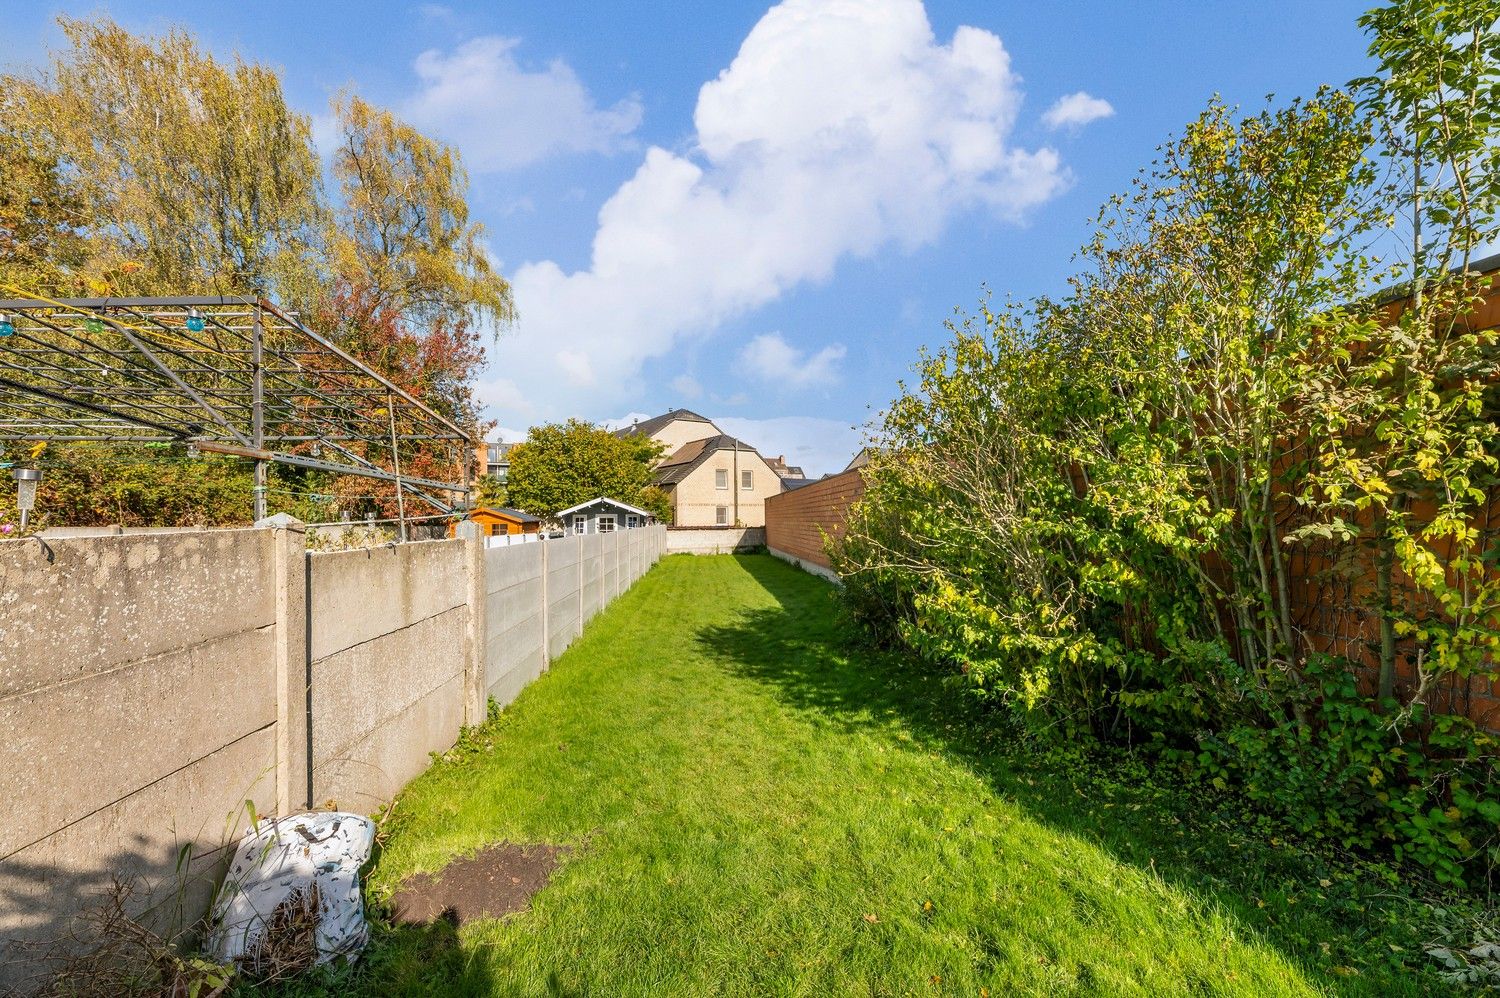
714 540
609 580
151 684
515 618
138 697
564 594
591 575
388 655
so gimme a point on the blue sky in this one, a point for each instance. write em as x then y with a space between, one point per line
761 213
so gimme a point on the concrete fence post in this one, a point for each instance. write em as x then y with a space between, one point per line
475 666
546 613
293 747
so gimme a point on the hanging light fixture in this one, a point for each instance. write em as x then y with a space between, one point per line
7 328
194 321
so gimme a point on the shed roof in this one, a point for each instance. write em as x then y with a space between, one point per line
606 501
505 512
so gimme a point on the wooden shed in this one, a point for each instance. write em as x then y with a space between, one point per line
497 520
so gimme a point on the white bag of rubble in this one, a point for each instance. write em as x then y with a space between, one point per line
286 873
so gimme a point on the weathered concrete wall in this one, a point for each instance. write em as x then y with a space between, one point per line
714 540
539 597
139 700
151 684
388 652
516 618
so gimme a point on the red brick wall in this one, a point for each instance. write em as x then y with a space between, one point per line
796 520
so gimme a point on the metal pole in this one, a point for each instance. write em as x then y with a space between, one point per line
735 485
469 458
390 409
258 411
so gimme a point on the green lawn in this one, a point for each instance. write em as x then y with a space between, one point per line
757 807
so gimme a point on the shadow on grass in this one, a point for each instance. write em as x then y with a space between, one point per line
408 960
1193 842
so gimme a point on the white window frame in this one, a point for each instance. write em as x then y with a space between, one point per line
721 478
631 520
747 480
580 523
721 516
604 523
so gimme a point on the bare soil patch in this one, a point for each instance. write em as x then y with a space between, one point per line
498 880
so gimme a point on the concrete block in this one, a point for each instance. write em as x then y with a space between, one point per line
70 608
73 748
506 566
812 568
359 595
508 685
372 770
508 607
521 640
714 540
201 806
370 684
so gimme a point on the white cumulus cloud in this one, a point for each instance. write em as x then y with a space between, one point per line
502 116
841 127
772 359
1077 110
687 386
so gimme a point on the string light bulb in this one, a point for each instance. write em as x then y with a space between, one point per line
194 321
94 325
7 328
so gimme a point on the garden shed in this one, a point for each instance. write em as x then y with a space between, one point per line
603 516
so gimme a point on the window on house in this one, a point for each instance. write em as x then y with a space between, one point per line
580 523
721 478
631 520
721 516
606 525
747 480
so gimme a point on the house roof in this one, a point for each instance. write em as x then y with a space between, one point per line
683 461
859 460
778 464
507 513
605 500
650 427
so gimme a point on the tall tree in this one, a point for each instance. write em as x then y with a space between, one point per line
401 232
41 245
192 174
563 464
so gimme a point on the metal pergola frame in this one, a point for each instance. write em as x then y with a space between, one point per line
228 375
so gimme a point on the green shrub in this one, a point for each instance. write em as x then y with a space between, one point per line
1086 509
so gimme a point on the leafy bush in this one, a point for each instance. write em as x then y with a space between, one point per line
1087 508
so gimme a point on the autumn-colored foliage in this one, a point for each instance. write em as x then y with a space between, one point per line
146 165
